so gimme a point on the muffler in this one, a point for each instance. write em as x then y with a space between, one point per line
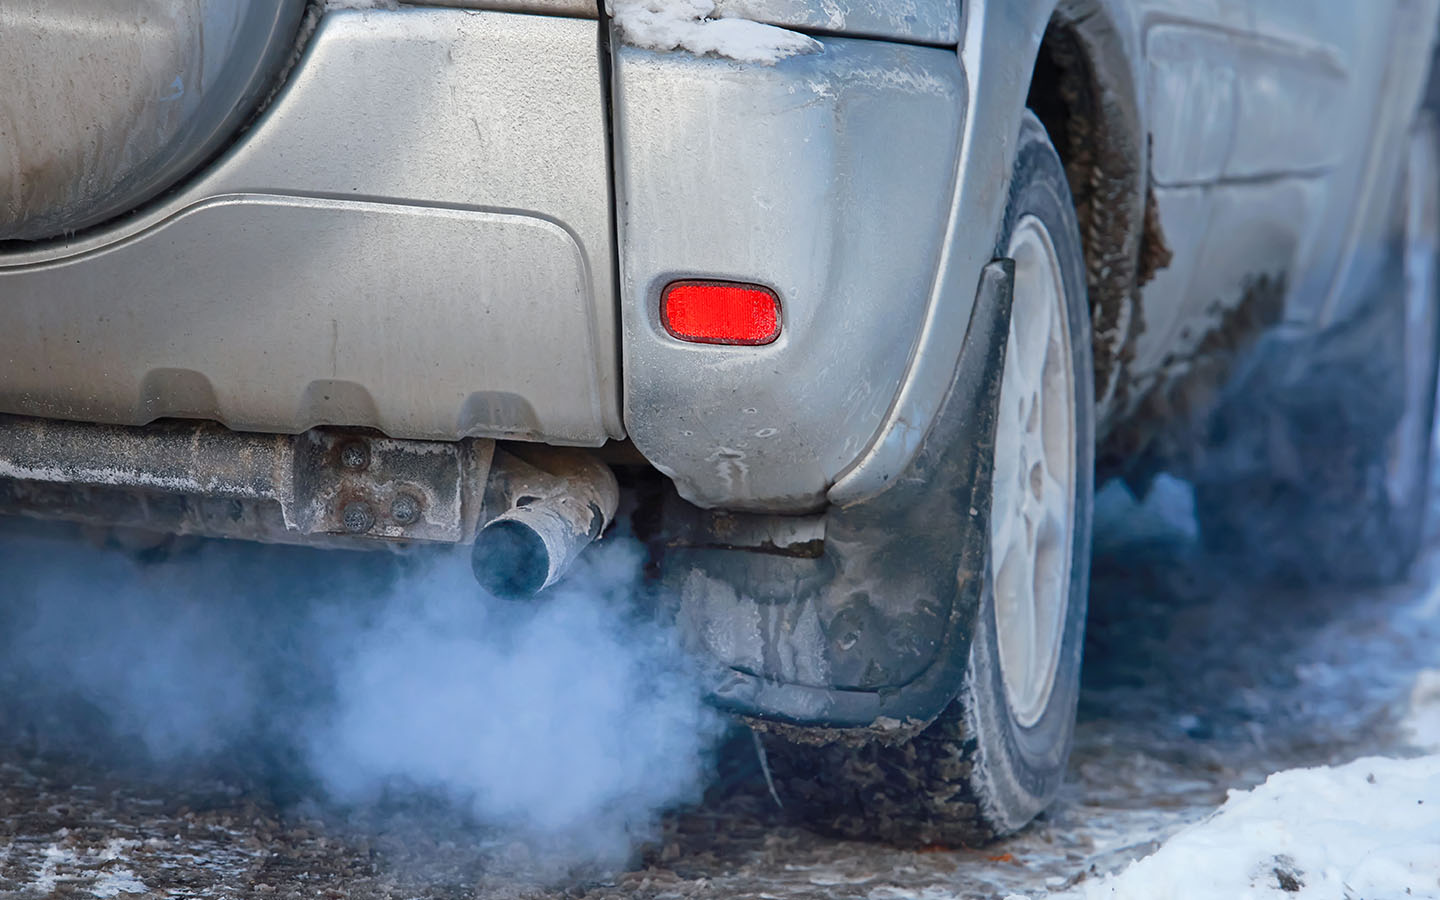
529 509
556 500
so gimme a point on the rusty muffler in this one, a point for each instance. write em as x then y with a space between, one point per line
557 501
529 509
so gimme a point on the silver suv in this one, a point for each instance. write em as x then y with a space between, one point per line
850 301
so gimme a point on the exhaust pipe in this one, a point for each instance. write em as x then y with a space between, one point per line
528 509
556 501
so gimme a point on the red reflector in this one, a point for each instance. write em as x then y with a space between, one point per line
717 312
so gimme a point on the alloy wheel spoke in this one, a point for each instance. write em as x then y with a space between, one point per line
1032 498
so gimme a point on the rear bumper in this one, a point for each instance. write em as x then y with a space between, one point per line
414 237
828 178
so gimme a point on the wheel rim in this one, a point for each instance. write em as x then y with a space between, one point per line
1032 516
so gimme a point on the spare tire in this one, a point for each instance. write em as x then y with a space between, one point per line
109 102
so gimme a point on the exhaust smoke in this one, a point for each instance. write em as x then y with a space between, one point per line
569 724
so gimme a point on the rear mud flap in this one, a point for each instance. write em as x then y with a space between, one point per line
874 633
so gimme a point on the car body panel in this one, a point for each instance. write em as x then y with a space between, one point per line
997 52
1389 95
325 340
1263 191
583 9
1192 104
822 177
438 262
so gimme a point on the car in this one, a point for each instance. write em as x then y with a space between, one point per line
847 304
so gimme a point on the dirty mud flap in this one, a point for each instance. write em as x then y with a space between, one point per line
872 634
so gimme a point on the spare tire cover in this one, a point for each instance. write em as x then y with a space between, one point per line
108 102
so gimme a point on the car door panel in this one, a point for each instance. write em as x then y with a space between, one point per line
1255 154
1191 81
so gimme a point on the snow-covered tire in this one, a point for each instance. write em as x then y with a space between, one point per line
997 755
1321 456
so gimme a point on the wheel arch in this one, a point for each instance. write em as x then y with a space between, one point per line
1081 61
1087 88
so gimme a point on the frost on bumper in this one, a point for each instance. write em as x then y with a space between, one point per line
685 25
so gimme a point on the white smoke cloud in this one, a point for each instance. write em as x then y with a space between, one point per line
571 722
569 719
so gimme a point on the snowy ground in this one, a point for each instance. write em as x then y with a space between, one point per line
1357 830
1193 686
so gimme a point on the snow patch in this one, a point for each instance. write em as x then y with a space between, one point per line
1366 829
687 25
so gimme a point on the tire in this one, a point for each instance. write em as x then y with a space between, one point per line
983 769
1321 455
